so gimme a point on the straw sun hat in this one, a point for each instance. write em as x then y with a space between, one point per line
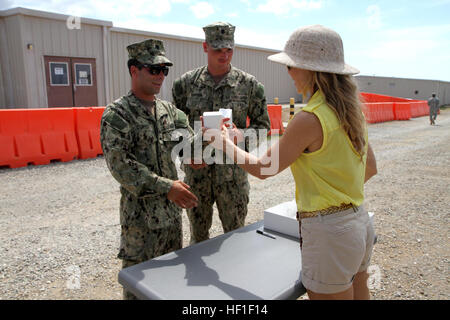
315 48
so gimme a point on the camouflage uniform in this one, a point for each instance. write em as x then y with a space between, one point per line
137 147
433 103
226 184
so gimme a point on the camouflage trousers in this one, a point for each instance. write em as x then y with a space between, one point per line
231 198
433 114
139 244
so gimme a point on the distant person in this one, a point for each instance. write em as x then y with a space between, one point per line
433 103
136 134
326 146
209 88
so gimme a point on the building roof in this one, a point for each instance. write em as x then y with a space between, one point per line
50 15
386 77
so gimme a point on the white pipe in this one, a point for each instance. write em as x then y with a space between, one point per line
105 64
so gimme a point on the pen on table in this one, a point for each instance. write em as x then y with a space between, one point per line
265 234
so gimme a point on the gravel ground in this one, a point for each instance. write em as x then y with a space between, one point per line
59 224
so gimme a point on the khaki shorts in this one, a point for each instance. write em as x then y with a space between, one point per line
335 247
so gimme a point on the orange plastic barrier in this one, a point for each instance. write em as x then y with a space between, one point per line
379 112
419 108
87 126
374 97
276 124
369 112
402 110
36 136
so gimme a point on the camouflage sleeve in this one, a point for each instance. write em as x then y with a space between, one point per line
179 96
181 120
190 137
134 176
259 117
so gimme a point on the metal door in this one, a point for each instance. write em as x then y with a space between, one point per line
84 82
71 82
59 81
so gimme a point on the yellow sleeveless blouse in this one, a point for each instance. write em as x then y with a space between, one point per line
334 174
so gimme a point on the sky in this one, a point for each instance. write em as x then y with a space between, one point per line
392 38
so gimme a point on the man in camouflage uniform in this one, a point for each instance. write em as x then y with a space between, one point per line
209 88
136 137
433 103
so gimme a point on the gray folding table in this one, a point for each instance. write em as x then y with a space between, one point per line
241 265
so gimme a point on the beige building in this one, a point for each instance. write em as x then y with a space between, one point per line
406 88
51 60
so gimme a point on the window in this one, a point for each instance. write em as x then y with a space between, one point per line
83 74
59 75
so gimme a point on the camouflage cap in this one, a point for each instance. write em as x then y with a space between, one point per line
219 35
150 51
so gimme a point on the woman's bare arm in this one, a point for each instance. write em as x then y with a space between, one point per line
371 164
303 131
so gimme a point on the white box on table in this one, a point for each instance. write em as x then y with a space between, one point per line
282 218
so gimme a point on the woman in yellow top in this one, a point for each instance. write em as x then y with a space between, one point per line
327 149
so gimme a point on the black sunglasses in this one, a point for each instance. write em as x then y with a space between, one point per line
155 70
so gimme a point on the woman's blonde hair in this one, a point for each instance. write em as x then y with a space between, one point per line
342 96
